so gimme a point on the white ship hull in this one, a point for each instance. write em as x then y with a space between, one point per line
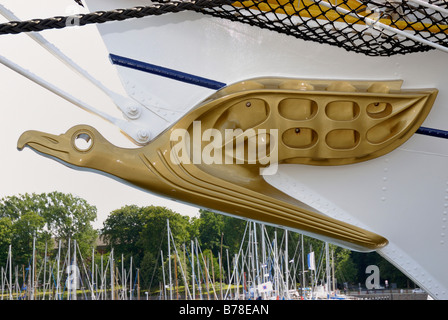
401 196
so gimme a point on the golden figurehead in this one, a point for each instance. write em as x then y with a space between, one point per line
213 156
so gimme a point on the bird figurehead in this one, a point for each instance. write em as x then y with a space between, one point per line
197 161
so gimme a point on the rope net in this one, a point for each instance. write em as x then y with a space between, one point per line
371 27
374 28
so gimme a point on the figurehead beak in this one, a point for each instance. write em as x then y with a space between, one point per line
48 144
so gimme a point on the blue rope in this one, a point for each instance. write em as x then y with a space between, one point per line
165 72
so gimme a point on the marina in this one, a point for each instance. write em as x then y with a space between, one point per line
316 120
262 269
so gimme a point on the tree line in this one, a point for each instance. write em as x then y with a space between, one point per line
140 233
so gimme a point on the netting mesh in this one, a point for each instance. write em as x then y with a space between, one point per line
371 27
374 28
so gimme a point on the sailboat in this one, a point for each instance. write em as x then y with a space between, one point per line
335 114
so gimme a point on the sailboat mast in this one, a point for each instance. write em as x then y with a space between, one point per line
303 267
228 269
93 274
33 268
3 282
286 265
256 258
102 276
220 266
327 266
112 287
252 255
169 259
192 269
123 278
57 274
45 271
130 281
69 287
332 271
199 270
10 272
263 254
276 268
237 280
163 274
75 273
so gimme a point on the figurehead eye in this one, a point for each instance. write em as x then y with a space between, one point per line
83 141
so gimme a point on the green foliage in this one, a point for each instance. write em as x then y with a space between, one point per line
219 232
122 229
6 234
141 233
211 228
46 216
345 268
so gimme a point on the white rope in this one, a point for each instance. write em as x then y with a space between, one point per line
378 25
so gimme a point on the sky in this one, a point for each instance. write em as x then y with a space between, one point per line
26 106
